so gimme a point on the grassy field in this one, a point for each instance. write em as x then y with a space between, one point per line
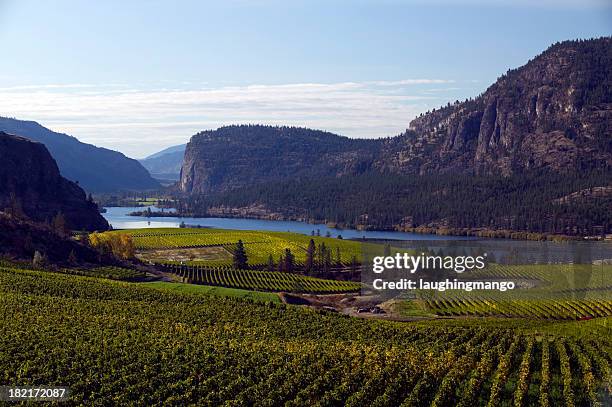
216 291
131 344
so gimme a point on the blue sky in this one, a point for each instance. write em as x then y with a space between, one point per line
138 76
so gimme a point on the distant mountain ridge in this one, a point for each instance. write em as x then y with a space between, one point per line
96 169
32 186
552 114
165 164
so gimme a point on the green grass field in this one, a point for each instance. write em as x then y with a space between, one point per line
118 343
216 291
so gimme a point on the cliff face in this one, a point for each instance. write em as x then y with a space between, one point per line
30 182
236 156
555 112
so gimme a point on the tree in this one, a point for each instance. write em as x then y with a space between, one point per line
182 225
271 263
321 253
39 260
354 264
327 261
72 259
240 256
83 238
310 254
289 261
59 224
281 263
16 209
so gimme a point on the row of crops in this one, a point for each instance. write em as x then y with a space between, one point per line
542 308
259 280
117 343
110 272
552 291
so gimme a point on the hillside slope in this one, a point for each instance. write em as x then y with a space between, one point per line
553 113
96 169
237 156
165 164
32 185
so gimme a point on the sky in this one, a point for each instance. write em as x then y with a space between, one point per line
139 76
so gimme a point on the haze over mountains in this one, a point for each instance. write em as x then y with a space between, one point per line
165 164
96 169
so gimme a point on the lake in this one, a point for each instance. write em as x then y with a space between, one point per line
118 217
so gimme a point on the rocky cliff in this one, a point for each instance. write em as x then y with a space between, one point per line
554 113
31 185
236 156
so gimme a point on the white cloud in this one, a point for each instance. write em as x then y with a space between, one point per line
142 121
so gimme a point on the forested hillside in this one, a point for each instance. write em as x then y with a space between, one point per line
537 202
531 153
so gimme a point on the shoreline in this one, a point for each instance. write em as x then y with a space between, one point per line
430 230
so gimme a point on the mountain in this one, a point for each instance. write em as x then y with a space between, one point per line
553 113
32 186
95 169
237 156
166 164
170 150
512 158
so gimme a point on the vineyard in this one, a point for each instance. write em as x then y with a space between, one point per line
127 344
566 292
260 280
164 244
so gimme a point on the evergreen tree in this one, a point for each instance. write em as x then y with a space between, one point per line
327 261
59 224
72 258
240 257
289 261
281 264
310 256
271 263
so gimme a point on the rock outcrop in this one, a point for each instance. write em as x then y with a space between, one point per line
237 156
31 185
554 114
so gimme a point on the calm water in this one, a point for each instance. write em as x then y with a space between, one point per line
119 219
